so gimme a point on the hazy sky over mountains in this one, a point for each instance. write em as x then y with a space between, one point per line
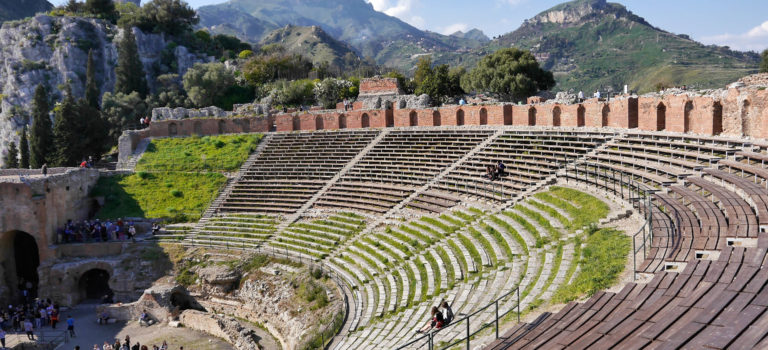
741 24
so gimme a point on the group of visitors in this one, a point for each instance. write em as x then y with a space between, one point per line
440 319
495 172
28 317
96 231
87 163
144 121
126 345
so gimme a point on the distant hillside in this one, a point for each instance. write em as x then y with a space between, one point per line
311 42
590 44
18 9
472 34
387 39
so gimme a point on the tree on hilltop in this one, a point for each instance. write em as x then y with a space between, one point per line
101 8
764 62
92 90
511 74
129 73
41 138
174 17
68 132
207 83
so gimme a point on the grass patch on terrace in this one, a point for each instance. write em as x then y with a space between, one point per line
178 196
183 181
602 261
194 154
583 208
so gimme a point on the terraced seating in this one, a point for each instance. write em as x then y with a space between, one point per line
292 168
397 165
752 191
713 304
529 156
237 230
319 237
174 232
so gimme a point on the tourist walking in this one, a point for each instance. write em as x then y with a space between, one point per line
29 329
71 326
44 169
2 338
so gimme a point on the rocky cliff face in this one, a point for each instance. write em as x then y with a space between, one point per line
54 51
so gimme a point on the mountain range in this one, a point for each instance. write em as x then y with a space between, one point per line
18 9
588 44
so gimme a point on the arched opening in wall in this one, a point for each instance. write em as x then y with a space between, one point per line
222 127
197 127
389 117
483 116
556 116
436 118
661 117
717 118
532 116
745 128
184 301
173 129
581 116
94 285
365 121
342 121
605 113
319 123
19 259
296 123
413 119
687 116
460 117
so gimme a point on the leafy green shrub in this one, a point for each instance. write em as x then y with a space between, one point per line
176 193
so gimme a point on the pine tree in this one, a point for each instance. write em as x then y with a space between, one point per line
92 90
11 159
68 132
95 133
129 73
41 138
24 149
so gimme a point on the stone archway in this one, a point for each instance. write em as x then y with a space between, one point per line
173 129
19 260
581 116
365 121
460 117
319 123
94 284
687 116
436 118
222 127
556 116
745 127
296 123
605 115
661 117
532 116
717 119
342 121
483 116
413 119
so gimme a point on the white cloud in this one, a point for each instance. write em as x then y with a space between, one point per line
756 39
453 28
402 9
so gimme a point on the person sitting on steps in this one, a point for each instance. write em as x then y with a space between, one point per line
437 321
500 167
447 313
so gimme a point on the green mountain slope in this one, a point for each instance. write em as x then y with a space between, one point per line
387 39
18 9
311 42
590 44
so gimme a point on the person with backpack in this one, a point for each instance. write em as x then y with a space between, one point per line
447 313
437 321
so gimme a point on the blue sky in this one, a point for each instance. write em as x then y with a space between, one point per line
741 24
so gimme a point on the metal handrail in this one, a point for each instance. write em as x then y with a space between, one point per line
430 336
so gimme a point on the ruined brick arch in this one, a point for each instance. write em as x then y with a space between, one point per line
413 119
605 115
745 127
436 118
296 123
222 127
197 128
94 283
661 117
532 116
19 260
556 116
319 123
483 116
173 129
460 117
365 121
687 116
342 121
717 118
581 116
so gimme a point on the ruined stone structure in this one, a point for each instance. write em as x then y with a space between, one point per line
33 206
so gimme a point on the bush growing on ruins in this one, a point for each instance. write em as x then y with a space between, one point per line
511 74
294 93
764 62
121 110
329 91
207 83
